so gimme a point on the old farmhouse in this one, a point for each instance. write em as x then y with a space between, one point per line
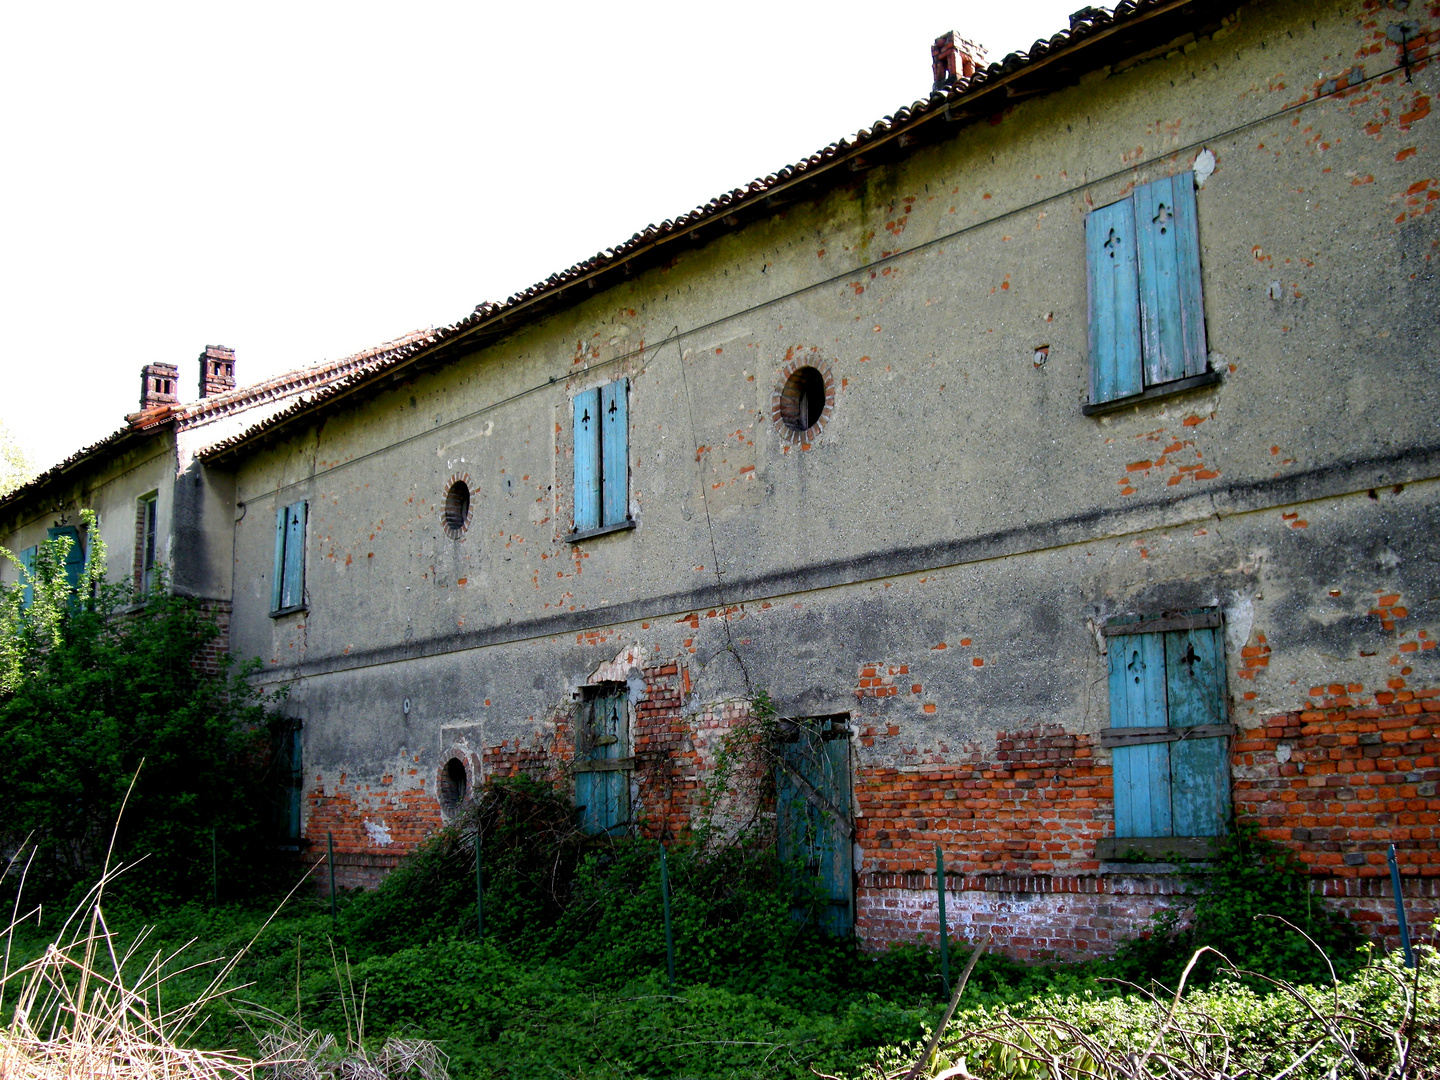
1058 455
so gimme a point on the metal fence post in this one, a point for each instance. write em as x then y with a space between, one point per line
479 890
669 936
944 929
330 846
1400 909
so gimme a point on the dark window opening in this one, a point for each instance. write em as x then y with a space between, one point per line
803 399
457 508
453 785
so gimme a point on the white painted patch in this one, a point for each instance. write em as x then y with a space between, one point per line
378 832
1239 618
1204 166
618 670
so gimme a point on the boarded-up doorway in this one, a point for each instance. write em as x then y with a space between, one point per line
812 812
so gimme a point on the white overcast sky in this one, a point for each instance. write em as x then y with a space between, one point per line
300 181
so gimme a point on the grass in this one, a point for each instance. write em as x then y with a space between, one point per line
494 1015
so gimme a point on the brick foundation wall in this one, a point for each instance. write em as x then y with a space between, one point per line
1336 781
1036 803
1032 918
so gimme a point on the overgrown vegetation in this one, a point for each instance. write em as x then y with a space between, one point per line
91 684
570 977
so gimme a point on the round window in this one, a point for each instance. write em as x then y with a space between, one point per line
802 403
457 508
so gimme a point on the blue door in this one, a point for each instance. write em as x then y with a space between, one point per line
812 813
602 766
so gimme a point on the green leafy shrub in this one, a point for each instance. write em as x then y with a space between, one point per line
1248 877
91 685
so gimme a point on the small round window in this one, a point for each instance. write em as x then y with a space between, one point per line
802 402
453 783
457 508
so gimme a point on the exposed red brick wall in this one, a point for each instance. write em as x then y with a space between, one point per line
1035 804
212 655
1340 780
373 825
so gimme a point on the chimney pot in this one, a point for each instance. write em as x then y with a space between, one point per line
953 59
159 385
217 370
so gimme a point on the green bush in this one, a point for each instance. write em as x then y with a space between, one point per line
1240 899
91 685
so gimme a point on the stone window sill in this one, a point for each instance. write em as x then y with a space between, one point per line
1151 849
604 530
1150 393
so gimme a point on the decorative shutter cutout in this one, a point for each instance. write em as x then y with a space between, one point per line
587 460
1137 699
614 442
1114 302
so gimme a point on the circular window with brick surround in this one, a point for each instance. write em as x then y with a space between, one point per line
453 784
802 403
456 515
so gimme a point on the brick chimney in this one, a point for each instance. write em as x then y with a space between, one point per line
217 370
953 59
159 385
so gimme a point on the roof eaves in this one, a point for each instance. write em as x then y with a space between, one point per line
142 424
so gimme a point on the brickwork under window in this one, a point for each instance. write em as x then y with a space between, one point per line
1019 820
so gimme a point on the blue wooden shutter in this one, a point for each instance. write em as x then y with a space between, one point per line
603 794
27 562
1172 314
293 593
1114 302
1199 768
277 581
615 448
1137 699
587 460
74 557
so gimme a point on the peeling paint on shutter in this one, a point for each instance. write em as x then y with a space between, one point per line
602 783
1171 308
292 593
1114 302
587 460
614 442
1137 699
27 560
1199 768
277 581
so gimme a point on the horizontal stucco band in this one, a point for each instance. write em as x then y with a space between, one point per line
1231 500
